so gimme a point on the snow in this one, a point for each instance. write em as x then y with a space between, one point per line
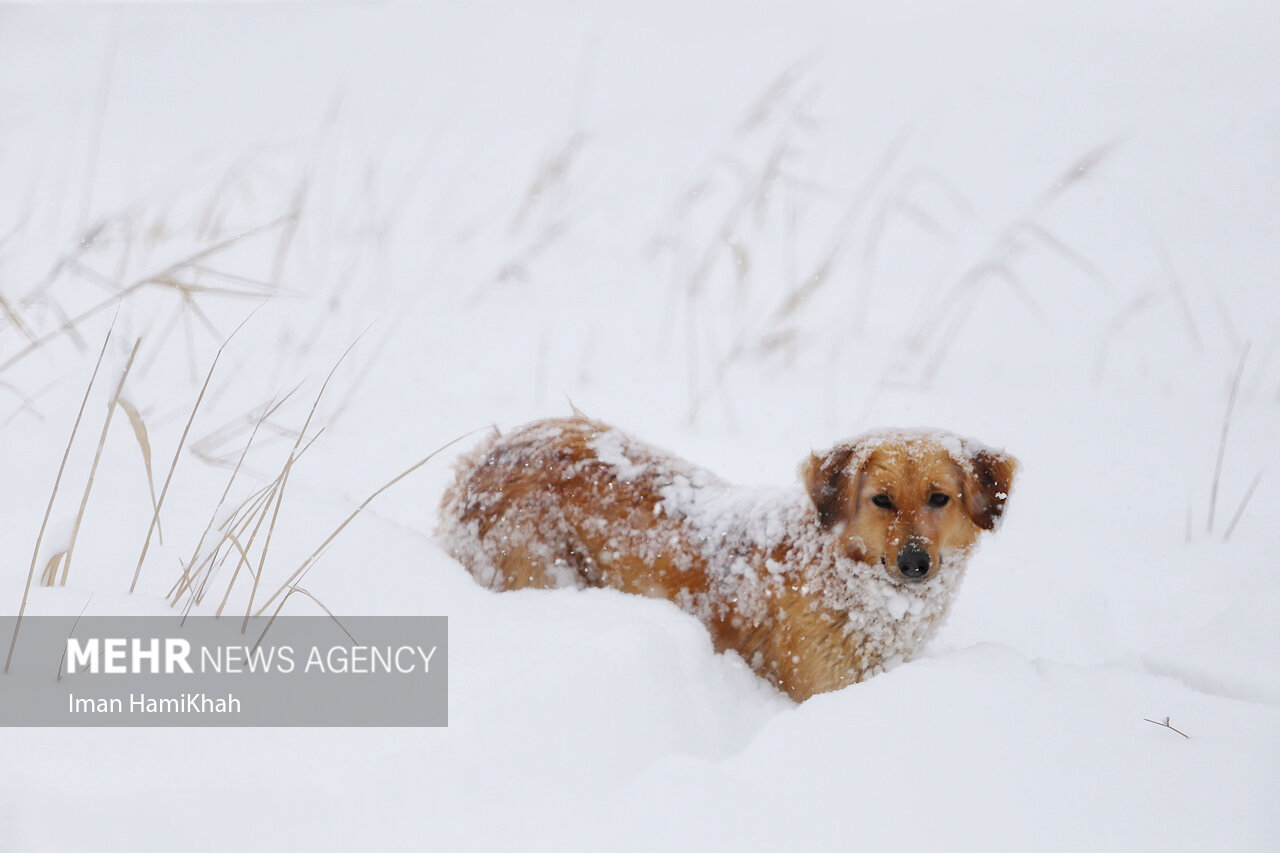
739 232
610 450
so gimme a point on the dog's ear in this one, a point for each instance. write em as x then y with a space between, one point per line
988 476
826 477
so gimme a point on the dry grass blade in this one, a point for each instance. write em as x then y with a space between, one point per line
775 94
1222 441
1244 502
1076 172
187 290
144 444
301 570
285 600
35 553
62 661
1069 253
70 259
190 304
26 402
97 457
290 231
325 608
1179 291
234 278
177 453
49 576
16 319
270 621
551 174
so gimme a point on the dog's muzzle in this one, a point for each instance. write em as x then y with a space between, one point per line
913 562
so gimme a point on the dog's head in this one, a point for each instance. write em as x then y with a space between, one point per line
902 499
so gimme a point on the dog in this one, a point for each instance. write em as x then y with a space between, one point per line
816 588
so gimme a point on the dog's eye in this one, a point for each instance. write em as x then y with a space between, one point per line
882 501
938 499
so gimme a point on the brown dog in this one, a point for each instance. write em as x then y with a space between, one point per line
815 591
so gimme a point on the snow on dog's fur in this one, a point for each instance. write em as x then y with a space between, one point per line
815 588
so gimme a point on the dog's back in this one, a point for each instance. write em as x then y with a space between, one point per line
550 505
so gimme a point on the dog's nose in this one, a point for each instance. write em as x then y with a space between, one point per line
913 562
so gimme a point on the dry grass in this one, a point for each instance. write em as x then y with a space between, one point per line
1222 442
953 310
53 496
283 482
97 457
191 567
544 215
731 234
144 446
166 279
1244 503
205 276
299 590
774 332
201 275
49 577
299 572
253 511
222 447
177 454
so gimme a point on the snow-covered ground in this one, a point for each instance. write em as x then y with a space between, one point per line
736 230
